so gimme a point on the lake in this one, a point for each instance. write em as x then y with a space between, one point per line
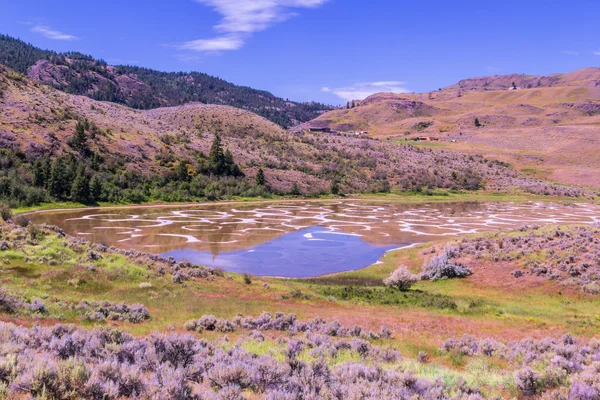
303 238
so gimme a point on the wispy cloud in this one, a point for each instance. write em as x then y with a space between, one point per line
241 18
360 91
596 53
230 42
51 33
570 52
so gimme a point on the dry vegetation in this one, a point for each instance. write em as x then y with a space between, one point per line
547 127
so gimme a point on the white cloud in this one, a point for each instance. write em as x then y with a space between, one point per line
241 18
51 33
571 52
361 91
231 42
596 53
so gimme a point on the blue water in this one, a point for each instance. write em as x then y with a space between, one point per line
300 254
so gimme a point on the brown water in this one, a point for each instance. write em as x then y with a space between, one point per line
300 238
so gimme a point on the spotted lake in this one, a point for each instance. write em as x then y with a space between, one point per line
299 239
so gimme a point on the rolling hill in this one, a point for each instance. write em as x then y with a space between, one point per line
144 88
549 126
143 151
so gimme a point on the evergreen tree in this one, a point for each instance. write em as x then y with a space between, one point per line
335 188
231 168
80 190
477 123
295 190
260 177
216 157
39 174
57 181
95 188
79 140
181 171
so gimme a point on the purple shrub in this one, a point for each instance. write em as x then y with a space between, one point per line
528 381
440 267
284 323
66 362
101 311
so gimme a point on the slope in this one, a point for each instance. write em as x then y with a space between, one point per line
546 126
145 88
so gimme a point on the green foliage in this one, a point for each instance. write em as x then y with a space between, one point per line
79 139
221 163
95 188
295 190
247 279
80 190
335 188
391 296
260 177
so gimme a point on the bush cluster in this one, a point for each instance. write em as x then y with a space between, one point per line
105 310
63 362
283 323
569 255
559 369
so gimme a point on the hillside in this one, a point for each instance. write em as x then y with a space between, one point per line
144 88
547 127
165 153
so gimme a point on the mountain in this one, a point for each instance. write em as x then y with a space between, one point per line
144 88
547 126
165 154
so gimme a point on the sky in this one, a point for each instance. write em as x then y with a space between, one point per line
324 50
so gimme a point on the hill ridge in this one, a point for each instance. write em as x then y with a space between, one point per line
145 88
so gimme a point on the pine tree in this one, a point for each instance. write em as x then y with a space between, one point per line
95 188
231 168
260 177
80 190
335 188
57 180
216 157
79 139
39 174
477 123
182 172
295 190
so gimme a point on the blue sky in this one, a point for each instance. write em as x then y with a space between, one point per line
324 50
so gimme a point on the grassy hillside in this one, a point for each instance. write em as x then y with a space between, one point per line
165 154
144 88
547 127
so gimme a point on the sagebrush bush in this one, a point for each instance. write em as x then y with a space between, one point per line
401 279
441 267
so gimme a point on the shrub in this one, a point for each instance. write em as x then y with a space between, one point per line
9 303
5 212
401 279
22 221
440 267
247 279
528 381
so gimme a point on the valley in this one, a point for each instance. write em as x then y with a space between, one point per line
174 236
